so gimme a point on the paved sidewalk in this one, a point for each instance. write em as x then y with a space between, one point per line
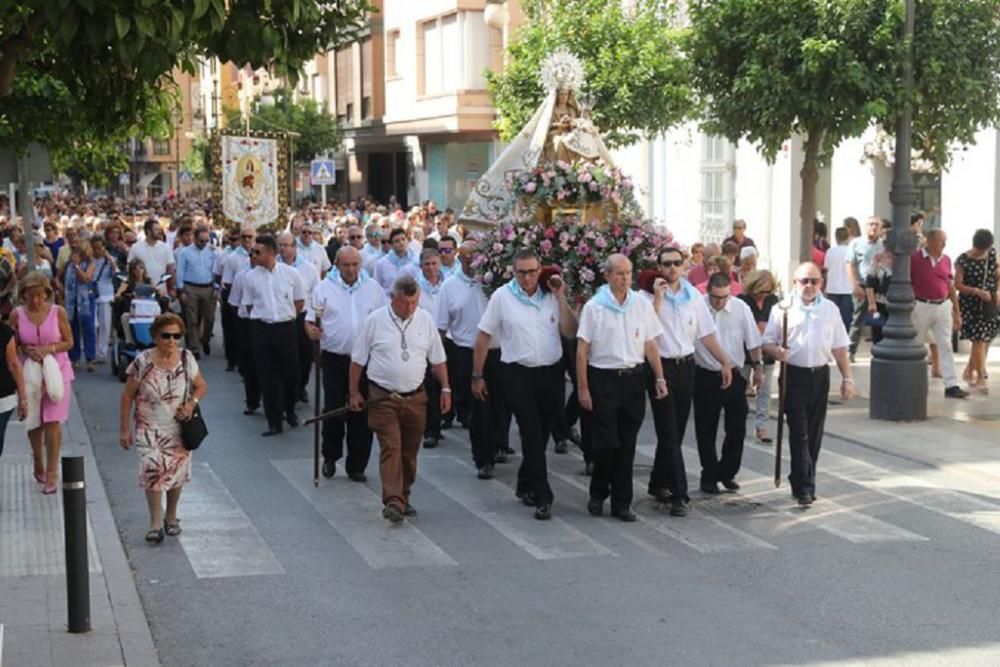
33 614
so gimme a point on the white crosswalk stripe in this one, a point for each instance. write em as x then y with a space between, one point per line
218 538
492 501
354 512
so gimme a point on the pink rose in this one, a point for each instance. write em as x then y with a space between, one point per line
601 243
583 249
593 186
550 232
497 247
488 277
530 187
545 246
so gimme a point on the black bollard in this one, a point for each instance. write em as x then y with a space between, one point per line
75 527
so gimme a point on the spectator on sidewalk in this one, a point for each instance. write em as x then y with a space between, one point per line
877 288
164 386
976 282
740 239
12 394
758 293
81 305
860 255
105 269
42 328
838 281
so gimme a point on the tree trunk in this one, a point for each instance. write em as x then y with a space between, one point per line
810 178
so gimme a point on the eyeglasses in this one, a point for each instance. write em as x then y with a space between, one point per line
305 231
809 281
446 251
166 335
667 263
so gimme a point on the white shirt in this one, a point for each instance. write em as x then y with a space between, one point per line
236 294
156 257
271 295
736 332
682 326
811 338
386 271
430 295
461 305
835 263
308 272
380 348
618 340
316 254
370 255
528 334
344 311
235 262
220 259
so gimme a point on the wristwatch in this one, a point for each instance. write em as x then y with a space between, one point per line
477 376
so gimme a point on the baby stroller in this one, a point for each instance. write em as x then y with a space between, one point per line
136 324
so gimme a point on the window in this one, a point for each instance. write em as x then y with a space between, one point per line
456 50
392 54
717 181
161 148
344 68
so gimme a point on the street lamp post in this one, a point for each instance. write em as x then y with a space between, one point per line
899 366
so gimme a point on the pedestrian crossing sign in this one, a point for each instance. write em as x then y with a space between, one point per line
323 172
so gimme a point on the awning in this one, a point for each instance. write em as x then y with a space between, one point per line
146 180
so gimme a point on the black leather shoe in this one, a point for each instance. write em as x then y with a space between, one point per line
446 424
465 423
500 457
678 507
293 420
574 436
624 513
430 442
207 349
274 430
410 510
329 469
595 507
485 471
249 411
805 501
304 396
661 495
543 512
510 451
359 477
392 513
527 498
562 447
711 489
731 485
588 469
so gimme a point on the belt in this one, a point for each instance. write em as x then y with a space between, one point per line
401 394
620 372
808 369
679 360
933 302
190 284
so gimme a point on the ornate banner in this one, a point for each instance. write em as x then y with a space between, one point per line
251 179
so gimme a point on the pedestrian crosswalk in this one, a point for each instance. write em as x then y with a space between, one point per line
221 541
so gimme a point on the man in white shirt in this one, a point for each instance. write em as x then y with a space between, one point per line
528 321
685 319
274 294
461 305
154 253
227 312
396 344
448 248
243 342
313 250
237 261
341 303
838 281
737 333
288 254
617 333
430 281
815 334
400 261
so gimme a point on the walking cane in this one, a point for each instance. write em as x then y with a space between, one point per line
316 391
782 393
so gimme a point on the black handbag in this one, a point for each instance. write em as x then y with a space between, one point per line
193 430
988 309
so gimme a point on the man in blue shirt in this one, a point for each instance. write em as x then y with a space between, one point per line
196 290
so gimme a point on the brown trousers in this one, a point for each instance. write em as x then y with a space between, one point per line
398 423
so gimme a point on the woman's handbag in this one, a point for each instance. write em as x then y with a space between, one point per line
988 309
193 430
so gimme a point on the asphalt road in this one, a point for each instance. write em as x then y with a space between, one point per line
270 570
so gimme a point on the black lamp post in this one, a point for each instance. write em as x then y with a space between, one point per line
899 366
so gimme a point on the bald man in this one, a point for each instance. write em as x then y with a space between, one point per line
815 335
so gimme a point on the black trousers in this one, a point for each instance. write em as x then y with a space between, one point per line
230 326
614 423
805 409
432 428
533 395
709 402
307 352
276 352
243 338
489 428
460 374
568 412
670 417
335 394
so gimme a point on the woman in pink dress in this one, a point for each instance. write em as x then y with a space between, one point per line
42 328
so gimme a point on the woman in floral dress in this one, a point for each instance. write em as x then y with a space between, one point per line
976 275
164 384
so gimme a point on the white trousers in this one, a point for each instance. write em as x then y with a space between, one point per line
102 318
936 319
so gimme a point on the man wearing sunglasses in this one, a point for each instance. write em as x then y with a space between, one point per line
311 248
815 334
685 319
448 248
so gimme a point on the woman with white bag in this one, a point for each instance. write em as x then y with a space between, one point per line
44 338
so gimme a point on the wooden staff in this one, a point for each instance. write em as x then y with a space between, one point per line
317 391
345 409
782 394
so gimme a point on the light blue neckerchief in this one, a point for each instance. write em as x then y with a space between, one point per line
469 280
810 311
604 297
298 260
522 296
428 286
243 251
447 272
400 261
685 295
333 275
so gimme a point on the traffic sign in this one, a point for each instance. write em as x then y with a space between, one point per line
323 172
123 179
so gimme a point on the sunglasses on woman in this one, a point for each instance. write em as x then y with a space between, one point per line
166 335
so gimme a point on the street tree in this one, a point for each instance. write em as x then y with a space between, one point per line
316 128
634 70
827 69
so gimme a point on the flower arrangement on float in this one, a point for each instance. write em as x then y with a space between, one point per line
563 184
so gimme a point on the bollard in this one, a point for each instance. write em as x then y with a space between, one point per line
75 527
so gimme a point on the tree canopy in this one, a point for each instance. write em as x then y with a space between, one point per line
828 69
317 129
633 66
